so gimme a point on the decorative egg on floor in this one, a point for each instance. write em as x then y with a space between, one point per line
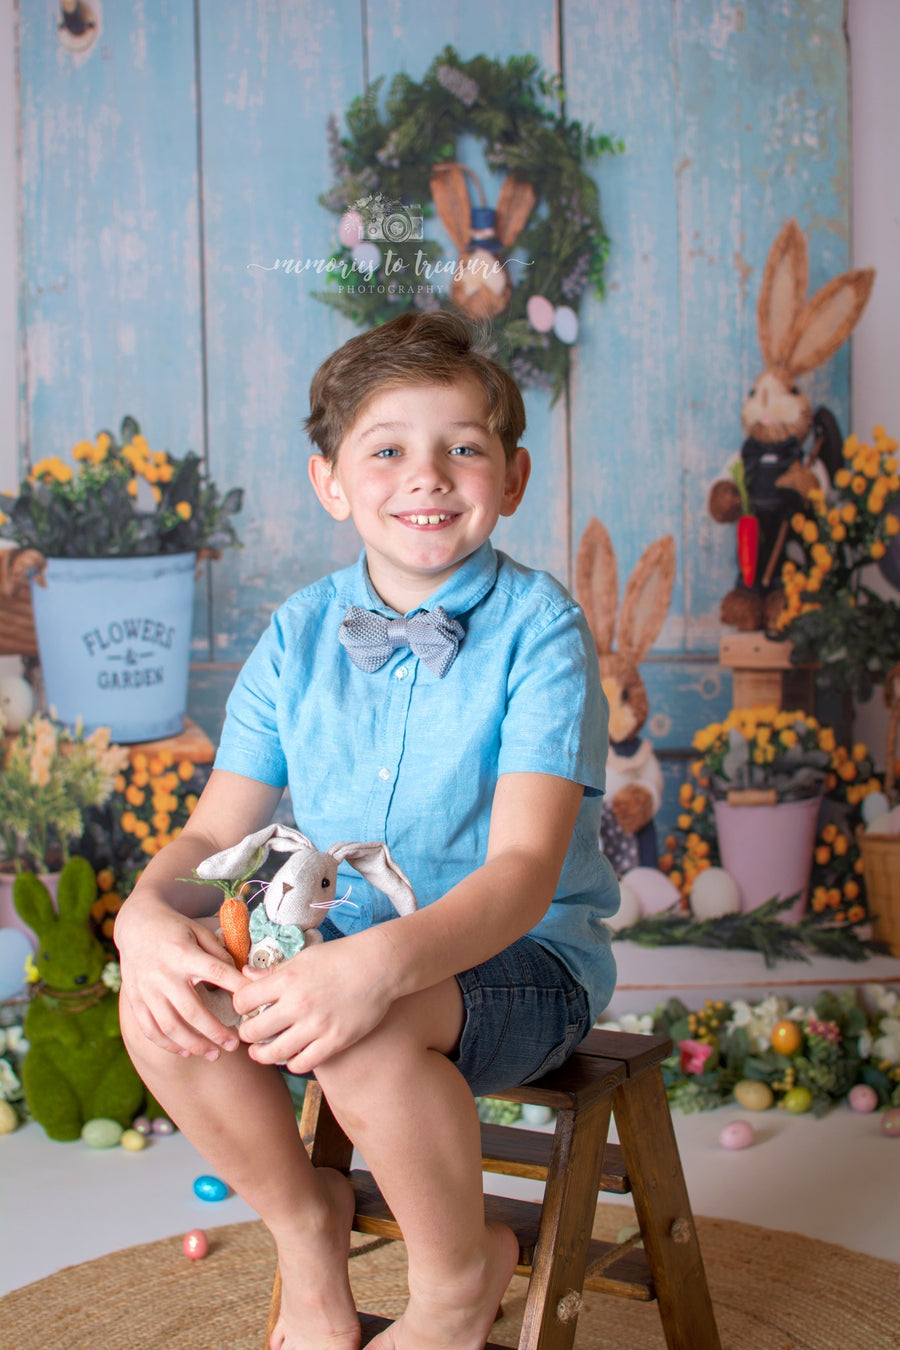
9 1120
162 1125
890 1123
195 1244
133 1141
102 1133
210 1188
873 806
714 893
798 1101
753 1095
142 1125
862 1098
737 1134
629 910
565 324
653 889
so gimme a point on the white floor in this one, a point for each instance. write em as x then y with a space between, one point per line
837 1179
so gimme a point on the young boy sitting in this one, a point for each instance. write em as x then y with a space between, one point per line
478 756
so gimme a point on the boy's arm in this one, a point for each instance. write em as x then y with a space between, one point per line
164 950
337 992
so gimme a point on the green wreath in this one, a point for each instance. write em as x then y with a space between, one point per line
394 172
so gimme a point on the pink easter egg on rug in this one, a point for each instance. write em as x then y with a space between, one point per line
350 229
737 1134
540 313
195 1244
654 890
862 1098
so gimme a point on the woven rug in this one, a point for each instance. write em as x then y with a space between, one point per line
771 1291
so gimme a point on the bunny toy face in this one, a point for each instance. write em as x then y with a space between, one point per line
301 890
776 409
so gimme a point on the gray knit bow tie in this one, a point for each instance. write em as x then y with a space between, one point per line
371 639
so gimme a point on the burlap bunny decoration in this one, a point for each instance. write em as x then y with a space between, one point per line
780 461
481 286
634 783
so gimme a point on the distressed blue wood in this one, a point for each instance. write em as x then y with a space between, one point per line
110 257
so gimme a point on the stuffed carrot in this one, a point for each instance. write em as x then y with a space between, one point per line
747 530
234 920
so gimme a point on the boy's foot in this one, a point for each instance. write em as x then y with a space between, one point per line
317 1309
457 1316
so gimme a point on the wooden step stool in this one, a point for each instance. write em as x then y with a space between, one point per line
611 1073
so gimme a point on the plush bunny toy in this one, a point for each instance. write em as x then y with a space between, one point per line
295 900
776 470
634 783
481 287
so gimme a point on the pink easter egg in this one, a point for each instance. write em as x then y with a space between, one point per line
890 1123
195 1244
541 313
737 1134
350 229
862 1098
653 889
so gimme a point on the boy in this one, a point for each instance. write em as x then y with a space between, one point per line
476 750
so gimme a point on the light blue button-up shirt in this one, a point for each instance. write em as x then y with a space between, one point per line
402 756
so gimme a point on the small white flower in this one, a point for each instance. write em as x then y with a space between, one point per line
15 1040
887 1046
112 976
10 1087
641 1026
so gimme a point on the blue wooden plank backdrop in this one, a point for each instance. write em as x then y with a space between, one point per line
167 172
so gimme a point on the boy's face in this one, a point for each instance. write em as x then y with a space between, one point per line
424 482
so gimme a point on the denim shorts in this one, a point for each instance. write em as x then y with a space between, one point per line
525 1014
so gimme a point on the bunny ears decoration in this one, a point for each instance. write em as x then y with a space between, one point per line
481 286
795 334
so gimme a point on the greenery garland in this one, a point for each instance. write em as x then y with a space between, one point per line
512 109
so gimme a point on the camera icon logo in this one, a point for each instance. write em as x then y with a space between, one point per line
391 222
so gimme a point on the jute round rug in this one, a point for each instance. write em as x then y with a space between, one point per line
771 1291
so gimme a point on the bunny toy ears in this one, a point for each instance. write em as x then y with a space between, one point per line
795 334
648 593
481 287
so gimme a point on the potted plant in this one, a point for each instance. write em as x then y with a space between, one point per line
49 778
118 531
765 771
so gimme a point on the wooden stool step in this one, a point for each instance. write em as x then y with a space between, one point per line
527 1153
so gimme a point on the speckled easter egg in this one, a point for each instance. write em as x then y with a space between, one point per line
737 1134
798 1101
210 1188
9 1121
102 1133
133 1141
195 1244
890 1123
753 1095
862 1098
714 893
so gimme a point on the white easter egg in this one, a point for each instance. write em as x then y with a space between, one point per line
714 893
654 890
367 257
541 313
565 324
629 910
875 805
350 229
16 701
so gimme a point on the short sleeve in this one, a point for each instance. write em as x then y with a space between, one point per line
557 718
250 743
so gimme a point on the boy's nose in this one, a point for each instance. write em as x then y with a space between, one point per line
429 474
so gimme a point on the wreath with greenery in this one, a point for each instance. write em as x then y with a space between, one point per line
513 110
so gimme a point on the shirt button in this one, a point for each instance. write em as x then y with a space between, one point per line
401 673
384 774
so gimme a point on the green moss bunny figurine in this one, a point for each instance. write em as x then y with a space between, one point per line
76 1067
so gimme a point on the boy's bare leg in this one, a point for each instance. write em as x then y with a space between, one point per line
412 1115
239 1115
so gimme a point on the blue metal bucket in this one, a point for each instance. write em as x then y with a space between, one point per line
114 636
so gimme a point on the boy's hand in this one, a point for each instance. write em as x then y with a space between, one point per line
322 1000
163 955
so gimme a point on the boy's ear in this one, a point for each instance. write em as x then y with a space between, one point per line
327 487
518 471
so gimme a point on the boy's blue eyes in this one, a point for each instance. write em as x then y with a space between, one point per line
463 451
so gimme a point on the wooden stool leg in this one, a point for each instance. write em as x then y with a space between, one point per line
570 1203
664 1213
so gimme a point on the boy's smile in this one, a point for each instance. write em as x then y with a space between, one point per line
424 482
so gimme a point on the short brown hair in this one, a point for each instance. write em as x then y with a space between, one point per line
432 348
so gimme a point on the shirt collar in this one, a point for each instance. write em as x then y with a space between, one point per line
459 593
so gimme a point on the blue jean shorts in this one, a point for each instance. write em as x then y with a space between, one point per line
525 1014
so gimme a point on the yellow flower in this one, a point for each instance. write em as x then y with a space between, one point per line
106 879
826 739
810 532
83 450
185 770
829 833
841 479
103 443
685 794
788 737
851 889
184 510
858 484
859 752
891 524
698 805
685 822
132 488
798 520
848 513
877 550
823 855
840 845
839 533
134 796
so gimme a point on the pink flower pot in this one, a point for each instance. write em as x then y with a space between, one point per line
768 850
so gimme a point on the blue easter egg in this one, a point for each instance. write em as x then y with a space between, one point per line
210 1188
15 948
